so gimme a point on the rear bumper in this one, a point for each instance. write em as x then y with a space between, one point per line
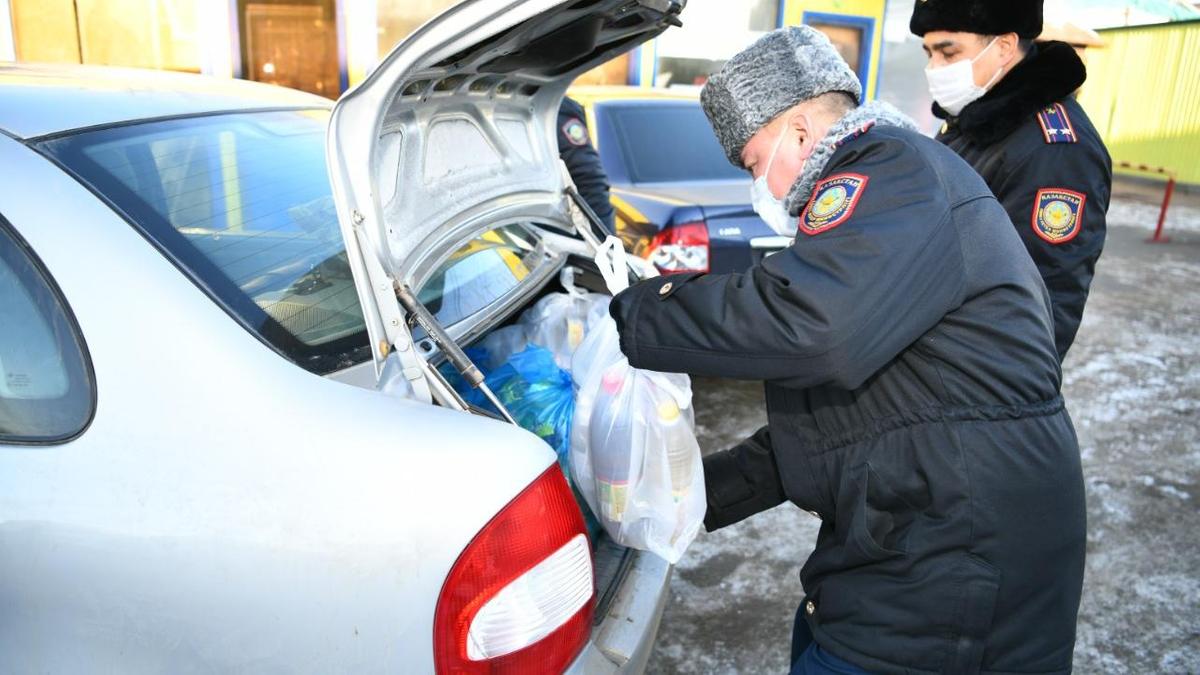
622 640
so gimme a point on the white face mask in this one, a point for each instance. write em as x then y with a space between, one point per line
953 86
766 205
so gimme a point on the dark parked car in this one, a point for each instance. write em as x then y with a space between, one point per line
679 201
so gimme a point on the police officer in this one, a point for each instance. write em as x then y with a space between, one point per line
583 162
912 385
1009 112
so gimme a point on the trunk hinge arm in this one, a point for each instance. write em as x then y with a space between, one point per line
394 300
396 332
609 250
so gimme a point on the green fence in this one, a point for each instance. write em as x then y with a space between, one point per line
1143 95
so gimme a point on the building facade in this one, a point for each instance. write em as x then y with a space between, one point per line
1143 95
327 46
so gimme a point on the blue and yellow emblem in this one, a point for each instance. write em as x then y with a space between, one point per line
833 201
1058 214
575 132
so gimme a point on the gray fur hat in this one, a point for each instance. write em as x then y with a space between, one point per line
781 69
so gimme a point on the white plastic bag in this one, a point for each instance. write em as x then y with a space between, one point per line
634 454
502 343
559 321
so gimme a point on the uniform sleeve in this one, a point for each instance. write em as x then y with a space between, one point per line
1067 262
583 162
833 308
741 481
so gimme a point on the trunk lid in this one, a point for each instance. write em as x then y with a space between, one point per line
454 134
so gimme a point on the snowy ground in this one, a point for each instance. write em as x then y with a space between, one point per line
1132 383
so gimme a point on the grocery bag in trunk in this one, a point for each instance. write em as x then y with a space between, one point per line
533 389
559 321
538 394
634 454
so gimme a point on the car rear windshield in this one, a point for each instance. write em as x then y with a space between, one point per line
242 203
669 142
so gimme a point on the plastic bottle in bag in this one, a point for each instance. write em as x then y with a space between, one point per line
559 322
674 431
610 463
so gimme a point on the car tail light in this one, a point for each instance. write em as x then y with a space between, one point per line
680 248
520 598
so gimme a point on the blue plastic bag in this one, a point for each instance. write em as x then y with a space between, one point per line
539 395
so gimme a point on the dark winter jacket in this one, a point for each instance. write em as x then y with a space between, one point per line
912 392
1045 162
583 162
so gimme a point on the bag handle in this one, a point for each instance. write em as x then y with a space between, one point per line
683 398
613 264
567 278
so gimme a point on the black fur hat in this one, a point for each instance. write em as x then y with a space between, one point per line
986 17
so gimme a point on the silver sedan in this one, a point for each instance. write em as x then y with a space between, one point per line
201 465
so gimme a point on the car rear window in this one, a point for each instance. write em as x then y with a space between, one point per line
242 203
47 390
481 272
669 142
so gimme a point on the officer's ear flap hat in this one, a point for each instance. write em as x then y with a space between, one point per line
985 17
781 69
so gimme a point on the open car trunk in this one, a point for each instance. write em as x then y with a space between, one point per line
451 198
611 561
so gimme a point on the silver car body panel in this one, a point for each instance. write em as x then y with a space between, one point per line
456 125
43 99
226 509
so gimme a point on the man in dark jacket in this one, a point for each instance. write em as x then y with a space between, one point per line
1009 112
583 162
912 385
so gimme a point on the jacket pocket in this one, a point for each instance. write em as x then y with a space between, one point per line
979 583
880 525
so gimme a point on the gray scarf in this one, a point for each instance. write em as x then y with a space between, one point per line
873 111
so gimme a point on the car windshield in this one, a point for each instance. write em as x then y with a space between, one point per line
669 142
242 203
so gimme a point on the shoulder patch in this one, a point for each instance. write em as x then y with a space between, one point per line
1058 214
833 202
575 131
1056 124
854 134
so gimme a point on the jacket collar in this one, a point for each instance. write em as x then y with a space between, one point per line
1048 73
850 126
